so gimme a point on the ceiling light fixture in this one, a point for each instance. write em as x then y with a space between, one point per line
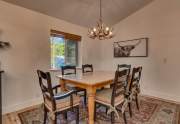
101 31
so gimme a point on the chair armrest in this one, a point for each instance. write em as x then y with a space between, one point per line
56 88
57 97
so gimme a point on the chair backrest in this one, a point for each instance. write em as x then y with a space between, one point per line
87 68
46 87
68 70
136 75
122 67
118 87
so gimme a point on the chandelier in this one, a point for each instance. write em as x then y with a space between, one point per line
101 31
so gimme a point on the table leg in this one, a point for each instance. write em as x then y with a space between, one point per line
62 83
91 103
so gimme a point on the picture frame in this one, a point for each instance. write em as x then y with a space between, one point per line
131 48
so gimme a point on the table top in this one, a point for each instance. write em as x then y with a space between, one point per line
90 78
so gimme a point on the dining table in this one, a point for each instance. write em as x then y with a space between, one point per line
90 81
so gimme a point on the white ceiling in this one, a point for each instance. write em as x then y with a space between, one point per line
84 12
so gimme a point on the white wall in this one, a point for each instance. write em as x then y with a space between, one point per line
28 33
160 21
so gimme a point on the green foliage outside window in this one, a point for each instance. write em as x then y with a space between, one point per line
63 52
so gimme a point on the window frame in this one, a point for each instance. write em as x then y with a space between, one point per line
65 36
77 52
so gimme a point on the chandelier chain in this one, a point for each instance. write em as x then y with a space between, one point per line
100 10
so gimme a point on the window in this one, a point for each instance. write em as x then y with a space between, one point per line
64 49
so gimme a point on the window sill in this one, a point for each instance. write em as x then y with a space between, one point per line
59 70
54 70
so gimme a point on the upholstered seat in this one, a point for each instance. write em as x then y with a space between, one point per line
63 104
104 96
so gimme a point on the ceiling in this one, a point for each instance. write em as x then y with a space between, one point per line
84 12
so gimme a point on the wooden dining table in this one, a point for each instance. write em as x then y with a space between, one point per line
91 82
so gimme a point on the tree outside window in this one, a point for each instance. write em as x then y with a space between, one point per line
63 52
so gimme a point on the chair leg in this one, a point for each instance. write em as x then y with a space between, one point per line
95 111
65 115
77 115
130 110
45 115
85 94
53 122
137 103
106 110
55 118
124 116
112 118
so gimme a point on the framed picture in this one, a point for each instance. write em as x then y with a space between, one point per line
131 48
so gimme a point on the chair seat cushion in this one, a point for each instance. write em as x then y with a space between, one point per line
64 103
104 97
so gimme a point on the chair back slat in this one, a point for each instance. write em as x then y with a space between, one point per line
122 67
119 88
87 68
46 87
120 85
136 75
121 92
68 70
135 79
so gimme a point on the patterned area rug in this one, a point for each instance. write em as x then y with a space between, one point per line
152 111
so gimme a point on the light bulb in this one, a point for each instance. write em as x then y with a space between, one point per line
92 32
94 29
110 33
107 28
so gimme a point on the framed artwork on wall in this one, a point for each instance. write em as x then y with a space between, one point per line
131 48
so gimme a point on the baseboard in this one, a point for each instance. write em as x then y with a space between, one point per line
163 96
22 105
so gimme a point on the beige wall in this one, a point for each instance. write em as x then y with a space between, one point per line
28 33
160 21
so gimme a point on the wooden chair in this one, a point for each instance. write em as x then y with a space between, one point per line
134 88
56 103
114 98
68 70
87 68
121 67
